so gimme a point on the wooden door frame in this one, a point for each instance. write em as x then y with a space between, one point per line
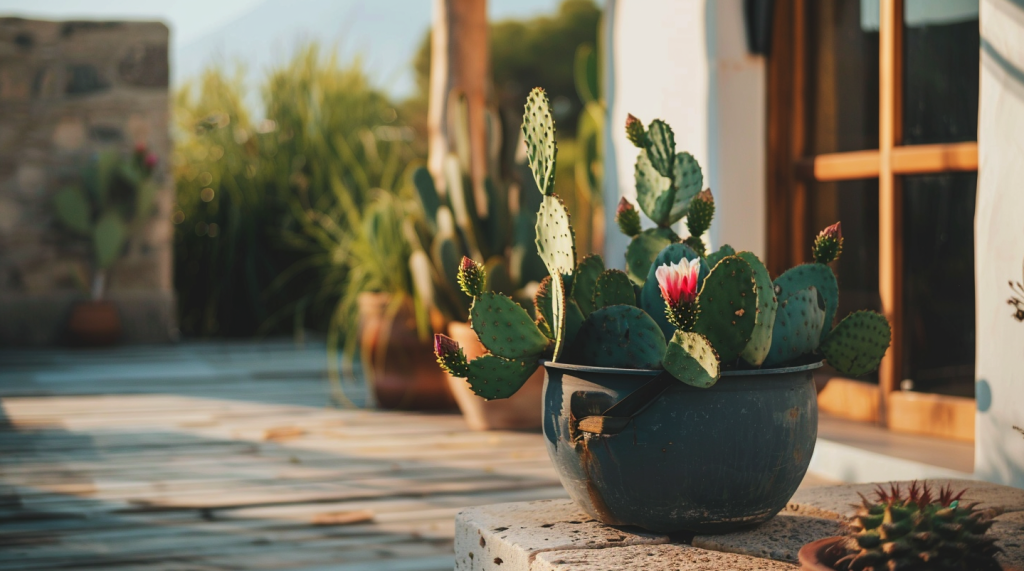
791 169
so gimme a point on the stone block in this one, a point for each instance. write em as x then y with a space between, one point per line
510 536
779 538
653 558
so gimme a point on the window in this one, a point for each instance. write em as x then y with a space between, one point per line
873 112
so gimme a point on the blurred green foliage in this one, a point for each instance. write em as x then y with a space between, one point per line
254 195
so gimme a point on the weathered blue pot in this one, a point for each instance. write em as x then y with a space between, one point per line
700 460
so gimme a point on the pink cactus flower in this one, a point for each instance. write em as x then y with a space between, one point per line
678 281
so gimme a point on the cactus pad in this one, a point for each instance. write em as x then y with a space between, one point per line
585 281
660 145
613 288
857 344
691 359
620 336
556 243
539 131
644 248
543 308
727 307
650 295
650 187
767 305
492 377
715 257
429 198
558 303
688 183
797 327
505 328
804 276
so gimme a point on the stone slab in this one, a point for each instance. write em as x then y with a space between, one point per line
779 538
1010 528
651 558
504 537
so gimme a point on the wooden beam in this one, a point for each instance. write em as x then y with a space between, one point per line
840 166
890 199
933 415
922 159
850 399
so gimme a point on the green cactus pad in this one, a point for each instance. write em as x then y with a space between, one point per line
73 210
585 280
644 248
109 236
556 242
429 198
543 308
715 257
660 145
558 308
573 322
804 276
691 359
767 305
492 377
797 327
650 187
505 328
613 288
857 344
688 183
650 295
727 307
620 336
539 131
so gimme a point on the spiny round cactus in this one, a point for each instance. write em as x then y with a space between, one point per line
917 531
627 217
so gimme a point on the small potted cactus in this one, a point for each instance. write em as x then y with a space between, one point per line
678 393
911 530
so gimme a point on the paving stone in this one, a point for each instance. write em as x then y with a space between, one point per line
779 538
1010 528
651 558
510 536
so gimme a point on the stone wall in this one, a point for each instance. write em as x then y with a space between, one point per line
68 90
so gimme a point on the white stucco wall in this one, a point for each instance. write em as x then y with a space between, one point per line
685 61
999 244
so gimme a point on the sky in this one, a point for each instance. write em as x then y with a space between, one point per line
263 33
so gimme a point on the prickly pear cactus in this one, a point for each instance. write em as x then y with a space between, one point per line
539 131
613 288
620 336
727 307
505 328
644 248
767 304
804 276
585 281
857 344
556 242
798 325
716 256
493 377
543 308
650 296
691 359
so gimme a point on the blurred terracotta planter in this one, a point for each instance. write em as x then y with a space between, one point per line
94 324
522 410
402 367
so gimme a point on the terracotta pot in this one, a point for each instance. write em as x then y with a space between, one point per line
521 411
94 324
815 556
401 367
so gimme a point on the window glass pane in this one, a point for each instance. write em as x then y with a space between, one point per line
938 262
855 204
842 57
941 71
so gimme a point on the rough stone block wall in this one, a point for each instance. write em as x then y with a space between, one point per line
68 90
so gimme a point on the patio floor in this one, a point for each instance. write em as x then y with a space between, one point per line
226 456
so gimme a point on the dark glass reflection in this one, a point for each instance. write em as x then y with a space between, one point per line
941 71
843 76
938 262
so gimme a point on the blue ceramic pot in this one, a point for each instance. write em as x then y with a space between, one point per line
700 460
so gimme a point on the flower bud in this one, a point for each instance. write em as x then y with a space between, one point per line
627 218
700 213
829 244
635 131
472 277
450 356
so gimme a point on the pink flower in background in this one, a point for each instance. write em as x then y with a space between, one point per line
678 281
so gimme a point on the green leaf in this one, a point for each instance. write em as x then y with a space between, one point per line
73 210
108 239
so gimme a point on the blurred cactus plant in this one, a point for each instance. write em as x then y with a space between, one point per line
679 308
114 193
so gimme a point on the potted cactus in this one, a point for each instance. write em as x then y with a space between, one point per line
114 194
678 394
496 227
913 530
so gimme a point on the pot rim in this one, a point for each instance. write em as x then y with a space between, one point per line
652 372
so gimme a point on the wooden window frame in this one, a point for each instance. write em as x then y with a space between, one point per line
791 168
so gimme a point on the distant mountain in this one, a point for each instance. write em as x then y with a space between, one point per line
384 33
